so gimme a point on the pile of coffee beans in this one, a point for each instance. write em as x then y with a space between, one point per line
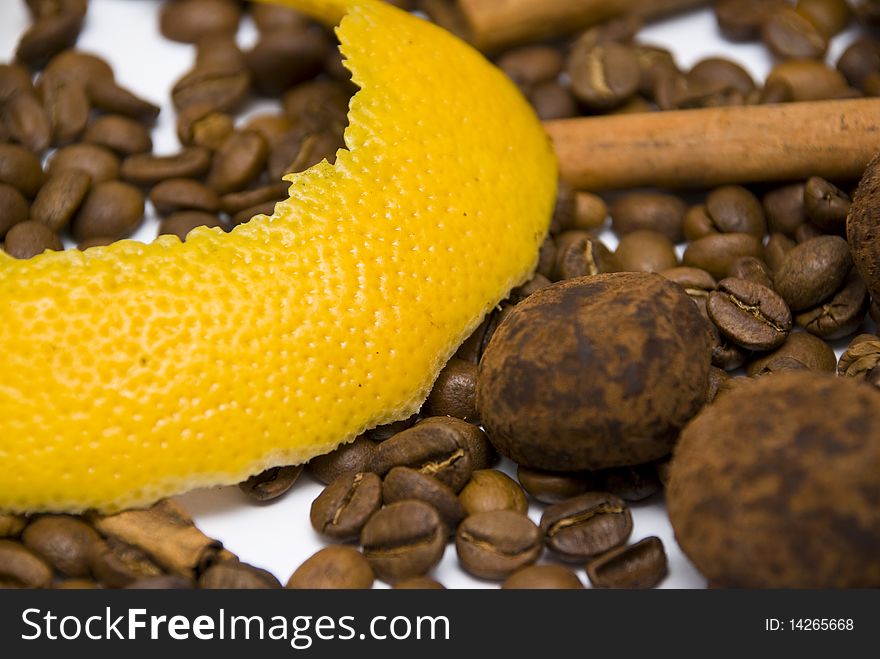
693 353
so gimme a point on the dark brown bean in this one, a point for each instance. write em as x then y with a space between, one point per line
201 125
60 198
578 254
274 17
829 16
235 575
784 208
645 251
697 223
494 545
53 31
318 105
13 208
24 118
634 483
343 507
112 208
777 246
21 169
302 148
403 483
603 76
812 271
177 194
403 540
861 358
12 525
106 95
543 577
552 486
147 169
530 65
28 239
66 543
641 565
333 567
490 489
282 59
248 214
733 209
741 20
181 223
722 74
271 483
859 60
98 241
826 205
590 211
802 347
351 457
790 35
79 65
189 20
716 253
841 315
21 568
66 104
121 134
238 161
271 126
652 211
587 525
454 391
749 314
552 100
419 583
96 161
235 202
752 269
220 87
809 80
116 564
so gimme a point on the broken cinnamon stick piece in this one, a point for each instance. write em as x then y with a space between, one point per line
703 148
492 25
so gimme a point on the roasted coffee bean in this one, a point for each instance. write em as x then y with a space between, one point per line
552 100
697 223
189 20
248 214
826 205
867 12
635 483
553 486
490 489
218 86
547 254
201 125
809 80
53 31
116 564
302 148
741 20
454 391
14 79
579 254
640 565
721 73
235 575
859 60
717 379
652 211
829 16
861 358
389 430
726 355
283 58
318 105
494 545
751 269
177 194
812 352
106 95
333 567
60 198
11 525
351 457
733 209
66 543
777 247
112 208
749 314
812 271
840 315
121 134
808 458
235 202
147 169
78 65
590 211
403 483
270 484
21 568
182 222
343 507
776 91
270 125
28 239
275 17
530 65
542 577
238 161
696 283
67 106
24 118
164 582
603 76
403 540
218 50
99 241
419 583
548 402
13 208
784 208
645 251
96 161
715 253
533 285
21 169
790 35
587 525
437 447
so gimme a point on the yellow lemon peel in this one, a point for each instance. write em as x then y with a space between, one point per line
133 372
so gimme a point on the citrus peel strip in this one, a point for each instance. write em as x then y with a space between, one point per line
133 372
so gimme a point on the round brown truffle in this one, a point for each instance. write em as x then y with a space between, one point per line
594 372
775 484
863 227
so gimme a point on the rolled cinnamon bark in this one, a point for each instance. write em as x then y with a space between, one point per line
492 25
703 148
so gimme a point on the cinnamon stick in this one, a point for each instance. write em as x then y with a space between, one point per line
492 25
702 148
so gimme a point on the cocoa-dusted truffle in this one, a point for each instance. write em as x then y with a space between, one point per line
594 372
863 227
777 484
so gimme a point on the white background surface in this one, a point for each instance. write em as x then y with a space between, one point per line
277 536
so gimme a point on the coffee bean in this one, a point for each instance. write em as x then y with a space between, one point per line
318 105
715 253
116 564
219 50
21 169
533 285
270 125
841 315
302 148
635 483
790 35
749 314
437 447
402 483
79 65
235 575
66 543
784 208
283 58
25 119
164 582
812 271
67 106
725 354
13 208
805 348
721 73
248 214
859 60
11 525
751 269
276 17
826 205
590 211
181 223
14 79
579 254
645 251
239 160
829 16
54 30
774 252
99 241
121 134
733 209
405 539
741 20
112 208
717 380
490 489
587 525
542 577
201 125
697 223
235 202
603 76
218 86
454 391
552 100
494 545
106 95
147 169
866 12
333 567
696 283
177 194
640 565
652 211
189 20
96 161
60 198
351 457
419 583
861 358
655 64
776 91
270 484
28 239
343 507
552 486
530 65
21 568
809 80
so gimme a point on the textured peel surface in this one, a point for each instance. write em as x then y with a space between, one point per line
132 372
